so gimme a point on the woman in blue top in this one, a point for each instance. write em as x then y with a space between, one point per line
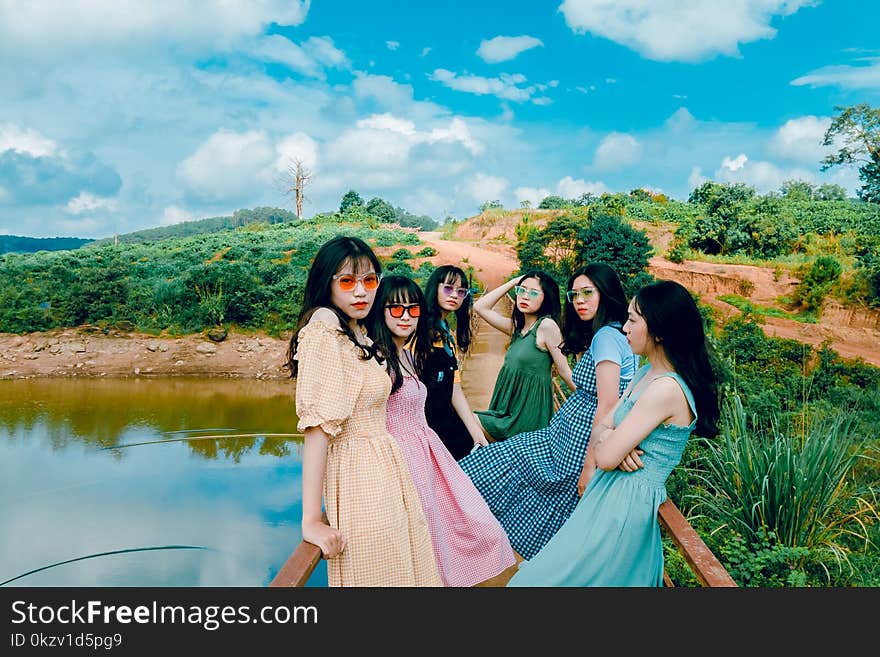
613 538
530 480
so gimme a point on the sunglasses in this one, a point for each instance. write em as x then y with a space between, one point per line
521 291
584 293
347 282
460 292
396 310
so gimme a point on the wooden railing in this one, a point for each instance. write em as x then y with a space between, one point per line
705 566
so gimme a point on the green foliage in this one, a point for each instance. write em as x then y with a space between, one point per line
857 127
554 202
491 205
777 482
754 309
427 252
17 244
764 563
817 282
798 190
249 278
380 209
351 199
733 219
567 242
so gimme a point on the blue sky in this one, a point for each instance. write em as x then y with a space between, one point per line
122 115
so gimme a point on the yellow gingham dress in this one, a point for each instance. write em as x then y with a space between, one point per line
368 492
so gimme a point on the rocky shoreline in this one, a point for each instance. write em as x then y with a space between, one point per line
87 352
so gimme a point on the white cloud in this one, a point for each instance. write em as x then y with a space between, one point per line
567 187
762 175
572 189
86 202
696 178
505 86
427 201
310 59
298 146
47 26
367 148
392 45
483 187
617 150
735 163
504 48
13 138
684 30
174 215
534 195
846 77
801 139
228 166
426 50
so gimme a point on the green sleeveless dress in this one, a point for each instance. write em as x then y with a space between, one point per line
523 396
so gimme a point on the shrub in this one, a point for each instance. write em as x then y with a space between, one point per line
776 483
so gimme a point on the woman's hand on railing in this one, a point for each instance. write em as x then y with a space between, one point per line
330 540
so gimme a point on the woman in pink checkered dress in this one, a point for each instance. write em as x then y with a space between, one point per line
469 543
376 533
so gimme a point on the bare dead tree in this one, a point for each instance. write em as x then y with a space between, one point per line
293 182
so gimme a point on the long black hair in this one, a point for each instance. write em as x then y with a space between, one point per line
675 322
549 306
613 305
453 276
331 257
399 289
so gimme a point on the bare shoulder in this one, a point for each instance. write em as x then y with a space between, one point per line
549 328
665 391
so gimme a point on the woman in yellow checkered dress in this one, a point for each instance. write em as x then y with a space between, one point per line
377 533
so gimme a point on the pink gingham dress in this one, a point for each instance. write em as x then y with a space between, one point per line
469 543
368 492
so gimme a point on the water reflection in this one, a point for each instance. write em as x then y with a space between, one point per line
64 496
69 490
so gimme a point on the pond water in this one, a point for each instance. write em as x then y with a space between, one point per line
122 482
120 479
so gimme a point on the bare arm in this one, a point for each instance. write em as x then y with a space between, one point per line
461 406
549 337
662 401
314 463
607 388
485 304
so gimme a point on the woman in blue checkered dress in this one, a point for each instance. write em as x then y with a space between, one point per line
531 480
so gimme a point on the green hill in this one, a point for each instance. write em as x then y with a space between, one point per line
19 244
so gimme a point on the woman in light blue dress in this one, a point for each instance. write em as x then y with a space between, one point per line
613 538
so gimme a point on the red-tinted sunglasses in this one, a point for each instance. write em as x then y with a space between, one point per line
396 310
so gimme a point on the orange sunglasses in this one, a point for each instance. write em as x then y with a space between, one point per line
396 310
347 282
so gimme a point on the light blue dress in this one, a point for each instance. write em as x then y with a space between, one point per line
613 538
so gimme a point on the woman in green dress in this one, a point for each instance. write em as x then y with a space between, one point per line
523 396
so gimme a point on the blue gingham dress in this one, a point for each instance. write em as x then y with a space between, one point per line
530 480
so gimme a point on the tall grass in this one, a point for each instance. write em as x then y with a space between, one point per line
790 484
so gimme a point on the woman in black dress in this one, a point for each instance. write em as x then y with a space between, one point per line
446 408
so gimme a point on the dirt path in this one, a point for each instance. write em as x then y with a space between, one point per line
493 264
